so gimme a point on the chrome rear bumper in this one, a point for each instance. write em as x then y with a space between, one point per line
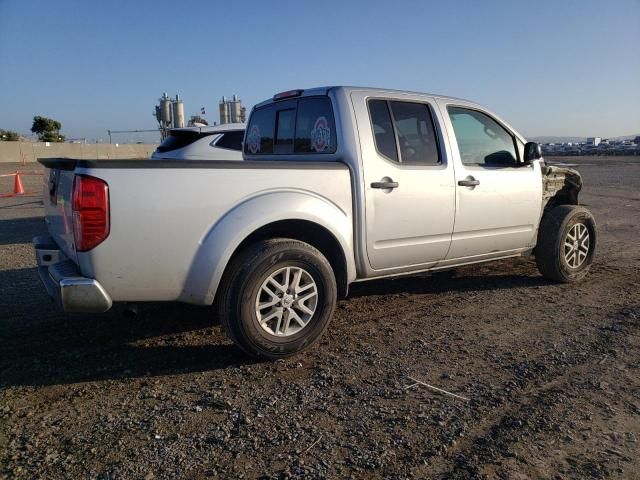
64 282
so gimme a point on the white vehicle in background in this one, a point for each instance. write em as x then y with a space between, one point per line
218 142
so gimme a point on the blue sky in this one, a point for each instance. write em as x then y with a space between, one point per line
548 67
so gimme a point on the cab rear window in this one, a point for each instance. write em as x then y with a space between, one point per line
303 125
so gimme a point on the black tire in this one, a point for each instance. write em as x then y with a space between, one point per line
555 225
242 283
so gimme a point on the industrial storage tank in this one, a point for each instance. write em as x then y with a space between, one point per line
178 113
224 112
165 109
236 110
232 111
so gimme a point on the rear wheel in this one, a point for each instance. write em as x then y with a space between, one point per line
277 297
566 243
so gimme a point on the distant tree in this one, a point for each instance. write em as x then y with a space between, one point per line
47 129
8 136
51 137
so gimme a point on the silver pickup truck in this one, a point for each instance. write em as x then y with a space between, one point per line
337 185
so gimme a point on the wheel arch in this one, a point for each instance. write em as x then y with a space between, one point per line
297 215
309 232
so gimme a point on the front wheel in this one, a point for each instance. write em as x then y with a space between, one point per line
566 243
277 297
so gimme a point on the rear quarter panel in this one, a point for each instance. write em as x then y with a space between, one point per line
174 229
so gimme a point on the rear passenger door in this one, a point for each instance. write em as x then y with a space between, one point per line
408 183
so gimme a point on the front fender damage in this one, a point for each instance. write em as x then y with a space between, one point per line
560 186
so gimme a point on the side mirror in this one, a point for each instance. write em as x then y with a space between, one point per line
532 151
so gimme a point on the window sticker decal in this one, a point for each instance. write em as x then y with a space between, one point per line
253 140
320 135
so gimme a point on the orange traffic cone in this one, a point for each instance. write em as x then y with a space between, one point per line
17 185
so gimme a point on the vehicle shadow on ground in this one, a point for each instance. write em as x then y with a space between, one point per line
20 230
42 346
52 348
471 278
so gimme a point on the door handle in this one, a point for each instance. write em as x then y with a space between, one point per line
469 182
387 184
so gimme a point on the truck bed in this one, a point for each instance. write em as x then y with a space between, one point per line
164 214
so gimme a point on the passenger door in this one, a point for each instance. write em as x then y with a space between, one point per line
499 199
408 183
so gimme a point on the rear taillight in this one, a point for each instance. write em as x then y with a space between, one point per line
90 212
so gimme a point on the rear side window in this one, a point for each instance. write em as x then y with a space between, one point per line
231 140
383 129
416 133
304 125
178 139
404 132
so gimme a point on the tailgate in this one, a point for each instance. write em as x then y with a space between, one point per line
56 197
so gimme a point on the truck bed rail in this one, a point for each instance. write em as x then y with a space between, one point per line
71 164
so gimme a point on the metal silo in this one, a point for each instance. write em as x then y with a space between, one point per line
178 113
236 109
165 109
224 112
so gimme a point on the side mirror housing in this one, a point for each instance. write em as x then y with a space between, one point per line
532 151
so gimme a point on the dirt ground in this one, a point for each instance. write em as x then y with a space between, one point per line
552 373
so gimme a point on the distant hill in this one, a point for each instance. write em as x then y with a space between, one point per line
557 139
548 139
626 137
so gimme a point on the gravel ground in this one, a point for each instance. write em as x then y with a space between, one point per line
551 373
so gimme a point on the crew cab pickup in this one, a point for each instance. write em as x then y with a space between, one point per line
337 185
